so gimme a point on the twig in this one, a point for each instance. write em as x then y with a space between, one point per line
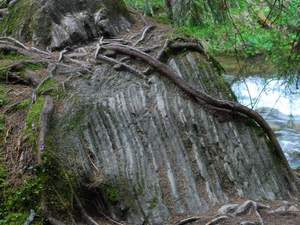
99 44
217 220
142 38
40 51
188 220
61 55
54 221
128 67
88 219
18 43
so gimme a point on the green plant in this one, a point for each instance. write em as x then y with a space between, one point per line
3 96
33 120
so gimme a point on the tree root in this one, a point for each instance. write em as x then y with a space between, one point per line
121 64
188 220
54 221
30 218
45 118
14 41
213 221
89 220
10 48
199 96
9 73
217 220
144 34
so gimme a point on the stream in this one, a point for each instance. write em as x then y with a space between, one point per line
279 103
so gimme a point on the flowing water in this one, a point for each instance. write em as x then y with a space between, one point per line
279 103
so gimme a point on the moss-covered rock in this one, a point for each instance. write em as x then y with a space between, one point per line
59 23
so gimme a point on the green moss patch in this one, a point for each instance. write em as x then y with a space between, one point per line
50 87
33 120
3 96
19 19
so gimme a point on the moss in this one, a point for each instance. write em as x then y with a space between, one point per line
33 120
112 194
10 56
3 4
19 19
75 122
24 104
50 87
14 219
15 202
8 59
153 203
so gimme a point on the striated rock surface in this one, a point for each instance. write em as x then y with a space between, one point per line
160 154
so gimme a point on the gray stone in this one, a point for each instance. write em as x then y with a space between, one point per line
281 209
163 152
58 23
228 209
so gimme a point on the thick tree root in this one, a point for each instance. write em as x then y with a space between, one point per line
45 120
54 221
217 220
121 64
144 34
197 95
89 220
188 220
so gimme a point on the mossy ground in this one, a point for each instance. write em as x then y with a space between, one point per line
19 20
19 193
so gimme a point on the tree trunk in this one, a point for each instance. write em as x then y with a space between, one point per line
195 12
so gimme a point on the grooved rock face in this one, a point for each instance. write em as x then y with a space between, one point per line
160 154
56 23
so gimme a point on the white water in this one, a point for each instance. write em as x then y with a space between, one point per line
279 103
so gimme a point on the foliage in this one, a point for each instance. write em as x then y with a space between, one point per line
149 7
241 30
51 87
19 18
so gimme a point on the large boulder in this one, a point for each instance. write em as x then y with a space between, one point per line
56 23
160 154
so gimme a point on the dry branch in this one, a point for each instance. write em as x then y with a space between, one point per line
89 220
14 41
144 34
188 220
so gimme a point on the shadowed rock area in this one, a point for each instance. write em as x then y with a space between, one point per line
57 24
